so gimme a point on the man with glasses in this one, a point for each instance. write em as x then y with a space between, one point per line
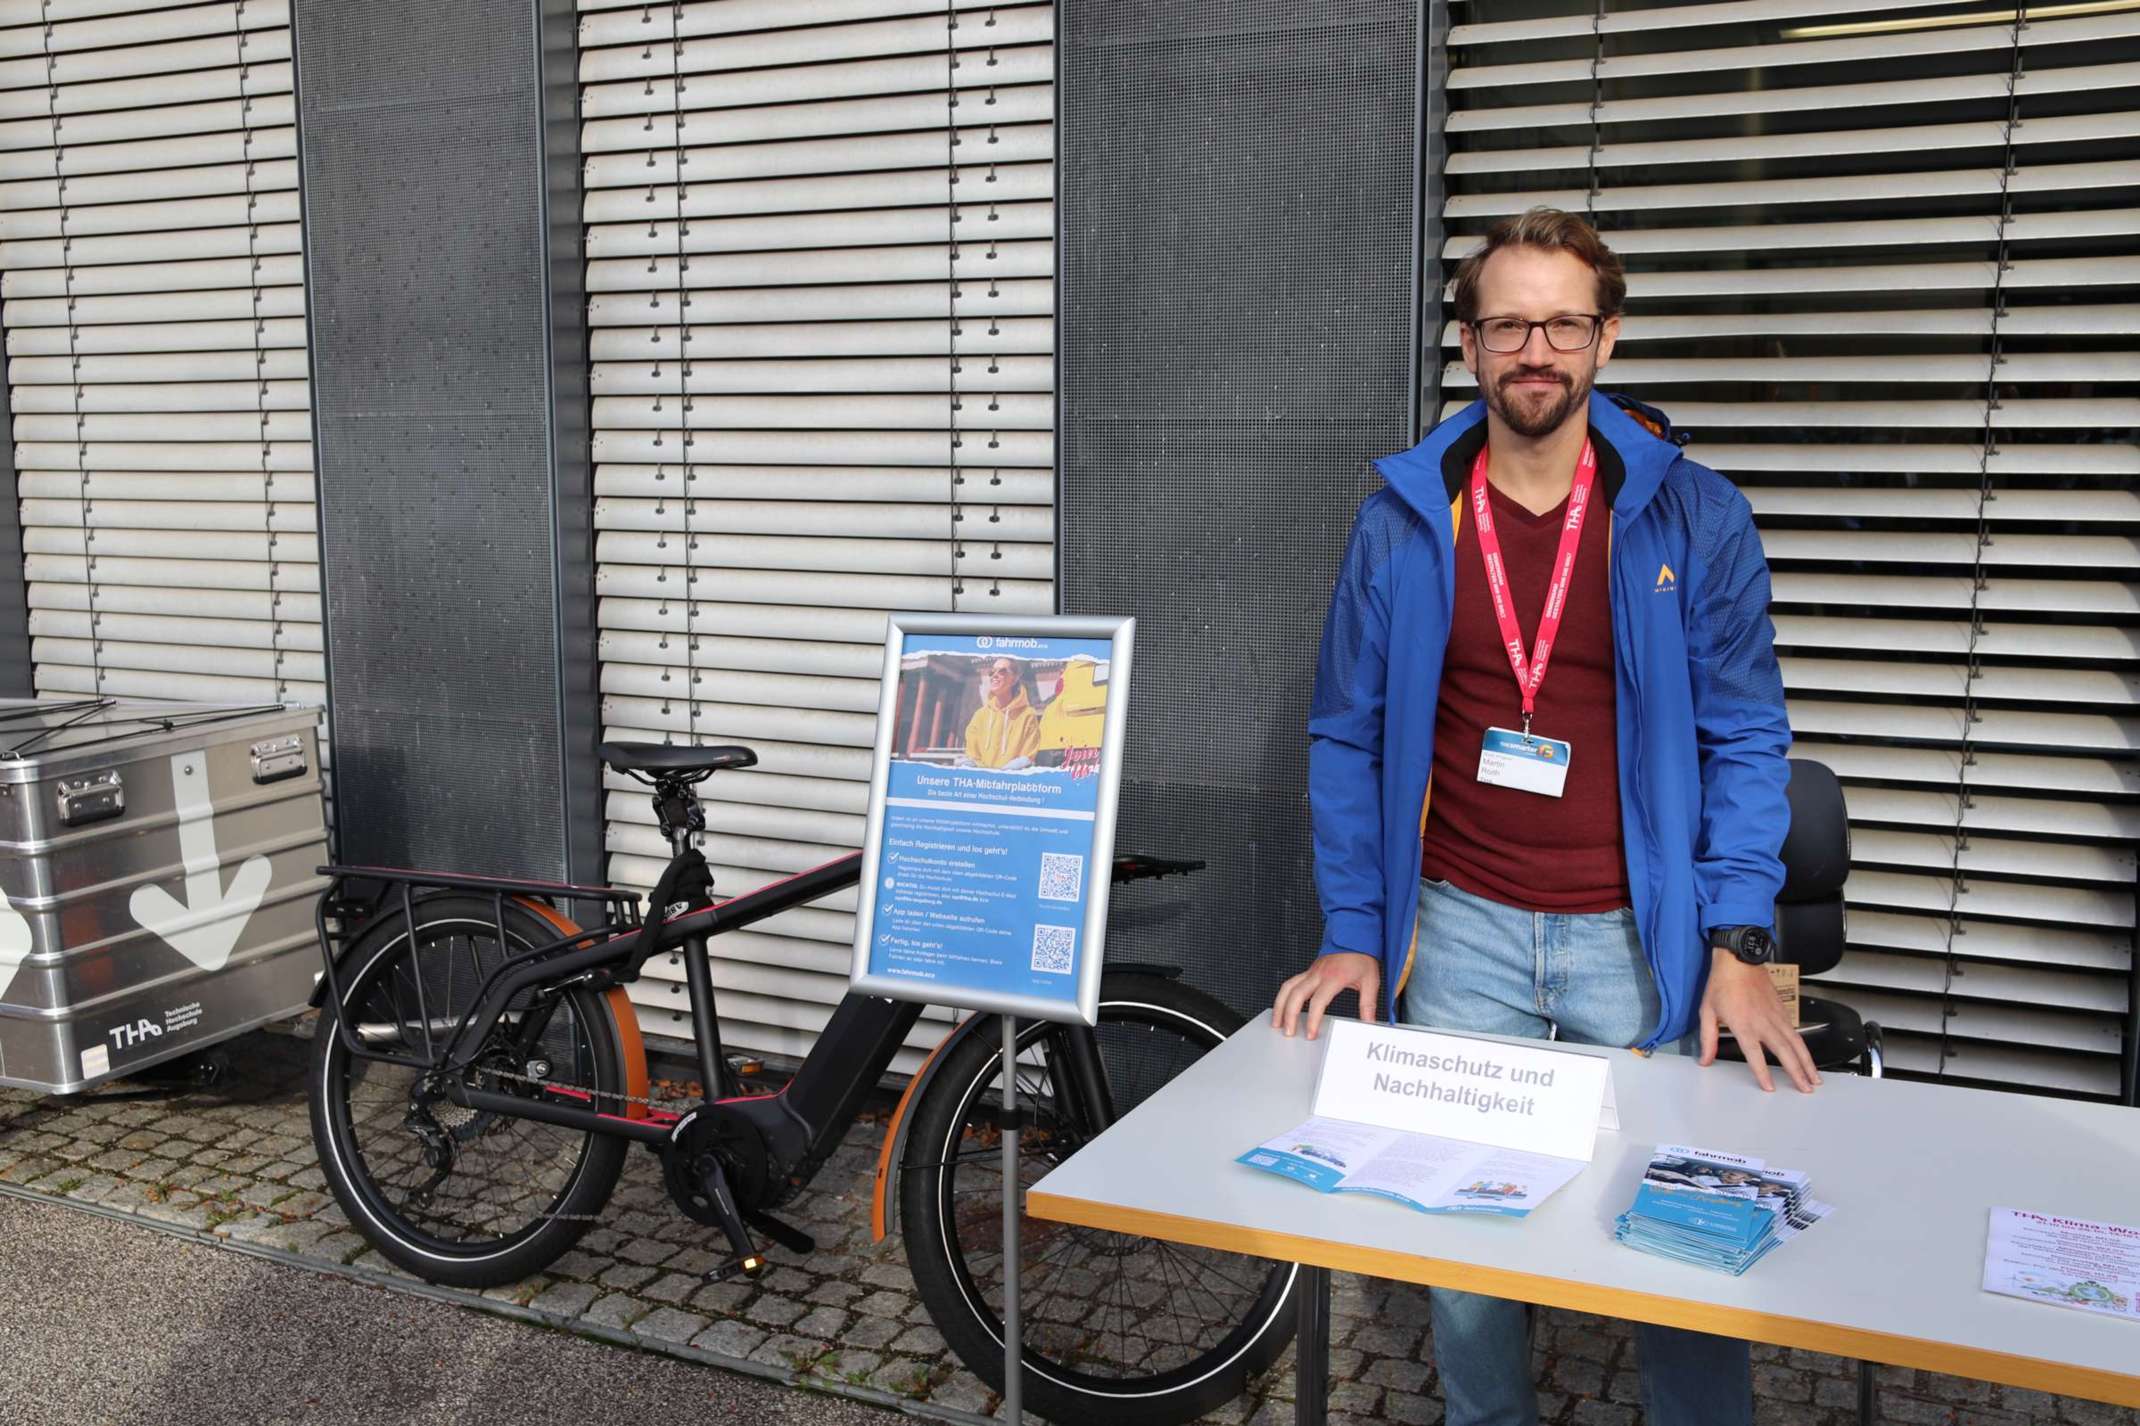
1591 855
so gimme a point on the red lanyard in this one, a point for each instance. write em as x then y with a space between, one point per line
1531 672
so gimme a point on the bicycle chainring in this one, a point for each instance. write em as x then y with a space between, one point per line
708 1135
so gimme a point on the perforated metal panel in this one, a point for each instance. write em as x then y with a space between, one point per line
424 179
1239 193
15 680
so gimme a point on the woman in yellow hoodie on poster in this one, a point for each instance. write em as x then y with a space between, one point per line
1005 729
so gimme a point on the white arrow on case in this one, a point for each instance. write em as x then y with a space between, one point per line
205 927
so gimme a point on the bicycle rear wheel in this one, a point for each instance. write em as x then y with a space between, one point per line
454 1195
1116 1328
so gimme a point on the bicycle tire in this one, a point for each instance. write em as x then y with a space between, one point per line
493 1223
1080 1364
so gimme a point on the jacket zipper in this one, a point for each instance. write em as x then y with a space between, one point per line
1426 800
1642 809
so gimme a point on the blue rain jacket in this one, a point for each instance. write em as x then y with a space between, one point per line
1701 725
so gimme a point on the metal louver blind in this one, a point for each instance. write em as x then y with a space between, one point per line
1883 263
820 268
153 302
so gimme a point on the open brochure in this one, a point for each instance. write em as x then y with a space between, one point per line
2066 1262
1418 1170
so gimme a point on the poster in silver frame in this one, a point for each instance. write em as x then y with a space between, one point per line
1005 732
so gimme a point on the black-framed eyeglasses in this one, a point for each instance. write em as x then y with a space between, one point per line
1569 332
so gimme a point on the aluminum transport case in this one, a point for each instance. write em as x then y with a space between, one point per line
156 881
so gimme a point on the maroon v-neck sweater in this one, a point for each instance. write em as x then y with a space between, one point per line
1518 848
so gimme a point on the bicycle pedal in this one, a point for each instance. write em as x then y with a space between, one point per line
749 1267
794 1239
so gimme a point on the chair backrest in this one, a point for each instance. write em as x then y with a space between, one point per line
1816 860
1816 851
1811 934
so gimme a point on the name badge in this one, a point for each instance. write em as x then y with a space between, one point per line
1528 764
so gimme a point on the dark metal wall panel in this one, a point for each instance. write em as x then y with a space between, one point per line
439 447
15 669
1238 311
571 442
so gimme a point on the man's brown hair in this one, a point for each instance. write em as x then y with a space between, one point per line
1555 231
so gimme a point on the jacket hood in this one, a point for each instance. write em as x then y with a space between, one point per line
1635 443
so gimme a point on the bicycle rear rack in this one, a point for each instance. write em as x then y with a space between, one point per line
357 895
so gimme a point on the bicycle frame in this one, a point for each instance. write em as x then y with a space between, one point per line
815 1108
618 953
538 1029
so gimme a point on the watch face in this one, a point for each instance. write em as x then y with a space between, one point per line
1750 944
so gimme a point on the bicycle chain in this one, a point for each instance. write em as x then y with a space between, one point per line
678 1107
647 1100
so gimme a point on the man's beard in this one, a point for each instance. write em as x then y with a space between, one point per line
1530 418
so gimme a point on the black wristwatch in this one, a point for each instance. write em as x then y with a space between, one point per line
1750 944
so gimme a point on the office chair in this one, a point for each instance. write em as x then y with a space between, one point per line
1810 922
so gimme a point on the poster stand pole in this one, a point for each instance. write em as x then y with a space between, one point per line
938 809
1013 1353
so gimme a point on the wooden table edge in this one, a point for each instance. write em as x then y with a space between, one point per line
1894 1349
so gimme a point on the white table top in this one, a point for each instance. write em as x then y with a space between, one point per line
1892 1275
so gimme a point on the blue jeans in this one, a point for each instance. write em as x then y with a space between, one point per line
1485 967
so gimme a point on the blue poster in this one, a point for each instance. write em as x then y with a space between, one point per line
991 796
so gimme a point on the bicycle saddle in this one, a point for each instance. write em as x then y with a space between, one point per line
673 758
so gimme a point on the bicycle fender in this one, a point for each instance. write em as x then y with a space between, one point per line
884 1196
623 1016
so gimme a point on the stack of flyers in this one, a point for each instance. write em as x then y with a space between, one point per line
1716 1210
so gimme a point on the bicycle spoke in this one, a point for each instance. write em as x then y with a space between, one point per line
1111 1305
1209 1266
976 1156
502 1175
1173 1298
1181 1271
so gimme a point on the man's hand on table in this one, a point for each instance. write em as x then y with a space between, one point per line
1743 997
1324 981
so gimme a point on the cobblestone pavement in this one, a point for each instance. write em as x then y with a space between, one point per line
213 1338
236 1164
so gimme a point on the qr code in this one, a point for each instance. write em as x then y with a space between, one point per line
1061 874
1051 948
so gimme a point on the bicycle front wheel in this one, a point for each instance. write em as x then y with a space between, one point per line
1116 1328
454 1195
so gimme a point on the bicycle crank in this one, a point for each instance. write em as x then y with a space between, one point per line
696 1166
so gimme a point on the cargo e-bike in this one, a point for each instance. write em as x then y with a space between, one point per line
478 1078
